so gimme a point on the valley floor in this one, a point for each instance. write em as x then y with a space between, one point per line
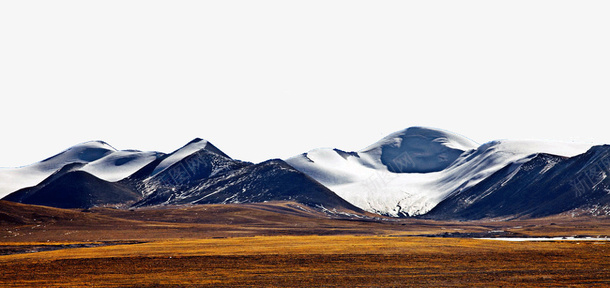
316 261
285 245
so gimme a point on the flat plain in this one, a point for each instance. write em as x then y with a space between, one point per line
288 245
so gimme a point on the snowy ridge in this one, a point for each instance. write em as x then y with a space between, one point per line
99 159
180 154
417 150
196 161
397 176
422 136
12 179
119 164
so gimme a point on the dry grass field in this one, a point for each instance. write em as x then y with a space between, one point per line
316 261
285 245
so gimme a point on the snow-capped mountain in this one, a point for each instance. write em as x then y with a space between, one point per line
95 174
414 172
409 172
199 159
99 159
272 180
196 145
199 173
540 185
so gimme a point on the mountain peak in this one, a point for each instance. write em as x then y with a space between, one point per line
98 143
196 140
418 136
191 147
420 149
83 152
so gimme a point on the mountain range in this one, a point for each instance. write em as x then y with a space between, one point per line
417 172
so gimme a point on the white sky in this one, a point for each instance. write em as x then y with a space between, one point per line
272 79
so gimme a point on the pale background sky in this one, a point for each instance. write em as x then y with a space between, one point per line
272 79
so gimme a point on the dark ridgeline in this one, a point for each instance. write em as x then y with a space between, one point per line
75 189
272 180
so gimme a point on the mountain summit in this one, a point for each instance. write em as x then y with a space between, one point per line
419 150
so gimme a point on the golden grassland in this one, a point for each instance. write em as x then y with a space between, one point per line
312 261
286 245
